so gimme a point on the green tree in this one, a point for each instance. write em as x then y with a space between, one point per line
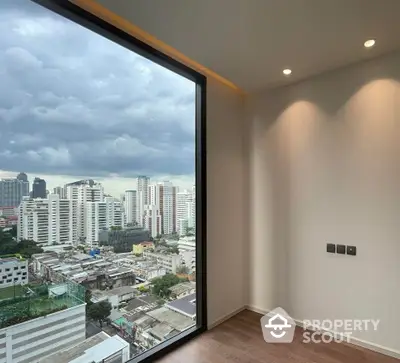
174 236
182 269
161 285
116 228
143 289
27 248
9 246
13 231
189 232
173 249
99 311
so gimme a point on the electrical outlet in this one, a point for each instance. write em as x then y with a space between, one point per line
351 250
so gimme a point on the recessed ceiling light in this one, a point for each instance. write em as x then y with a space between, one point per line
369 43
287 72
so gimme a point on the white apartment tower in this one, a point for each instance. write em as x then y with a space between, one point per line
152 220
63 217
130 206
163 195
48 221
84 191
142 197
33 221
186 211
102 215
182 211
59 191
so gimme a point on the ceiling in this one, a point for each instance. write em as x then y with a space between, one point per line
250 42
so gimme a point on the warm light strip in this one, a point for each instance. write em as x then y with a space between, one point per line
105 14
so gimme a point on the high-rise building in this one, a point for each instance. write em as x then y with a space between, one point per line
12 190
175 190
163 195
33 220
22 177
48 221
130 207
182 211
186 211
192 211
101 216
60 191
39 188
152 220
167 196
62 220
84 191
142 197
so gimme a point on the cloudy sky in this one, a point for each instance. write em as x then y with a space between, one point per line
76 105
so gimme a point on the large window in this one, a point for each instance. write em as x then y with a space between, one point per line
102 191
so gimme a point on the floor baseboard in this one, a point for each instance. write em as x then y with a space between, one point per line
226 317
355 341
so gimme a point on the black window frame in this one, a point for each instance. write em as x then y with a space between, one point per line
90 21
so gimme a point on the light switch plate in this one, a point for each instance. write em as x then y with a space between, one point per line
341 249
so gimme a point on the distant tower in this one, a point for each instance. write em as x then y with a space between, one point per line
142 197
22 177
39 188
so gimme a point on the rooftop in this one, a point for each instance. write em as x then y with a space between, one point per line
65 356
182 287
117 291
33 301
185 305
175 320
11 259
95 349
144 321
162 331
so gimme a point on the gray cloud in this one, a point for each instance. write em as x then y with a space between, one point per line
74 103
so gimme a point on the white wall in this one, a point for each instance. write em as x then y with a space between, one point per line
325 167
226 202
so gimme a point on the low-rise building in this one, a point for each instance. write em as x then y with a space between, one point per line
92 272
187 251
114 296
123 240
174 319
8 221
8 211
139 248
185 306
13 271
183 289
169 261
159 333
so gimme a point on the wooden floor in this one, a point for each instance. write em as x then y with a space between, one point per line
239 340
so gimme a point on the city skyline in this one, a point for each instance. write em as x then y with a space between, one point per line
114 186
